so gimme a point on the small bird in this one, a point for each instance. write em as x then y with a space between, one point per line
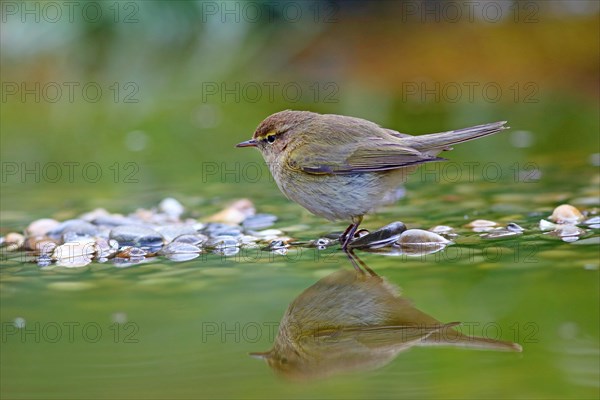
353 321
341 168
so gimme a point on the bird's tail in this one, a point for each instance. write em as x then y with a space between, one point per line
451 337
444 140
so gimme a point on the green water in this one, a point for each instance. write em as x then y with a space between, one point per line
184 330
171 330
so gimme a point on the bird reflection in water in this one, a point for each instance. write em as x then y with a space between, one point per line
354 320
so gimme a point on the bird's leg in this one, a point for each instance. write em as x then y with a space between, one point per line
345 234
357 263
348 235
352 257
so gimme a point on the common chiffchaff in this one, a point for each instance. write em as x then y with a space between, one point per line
353 321
341 168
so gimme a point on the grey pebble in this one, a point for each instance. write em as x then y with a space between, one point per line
221 242
131 252
419 237
170 232
227 251
196 239
41 227
171 207
73 229
179 248
593 222
513 227
259 221
442 229
218 229
381 237
106 248
112 221
138 236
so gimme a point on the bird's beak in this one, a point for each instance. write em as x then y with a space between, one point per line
248 143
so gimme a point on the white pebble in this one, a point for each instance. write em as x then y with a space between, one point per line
566 214
546 225
171 207
76 249
41 226
420 236
442 229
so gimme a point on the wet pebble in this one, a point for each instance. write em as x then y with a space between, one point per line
75 254
259 221
41 227
113 221
14 241
40 244
227 251
74 262
73 249
276 245
547 225
381 237
420 236
196 239
171 207
221 242
482 225
137 236
170 232
268 233
92 215
179 248
567 231
323 242
333 235
566 214
72 229
442 229
218 229
106 248
593 222
131 252
235 213
513 227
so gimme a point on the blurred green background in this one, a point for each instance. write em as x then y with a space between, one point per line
120 104
172 86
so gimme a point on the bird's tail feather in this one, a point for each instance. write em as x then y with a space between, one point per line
450 337
443 140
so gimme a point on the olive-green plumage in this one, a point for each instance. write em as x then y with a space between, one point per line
342 168
353 321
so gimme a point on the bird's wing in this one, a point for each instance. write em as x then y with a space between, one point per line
380 336
371 155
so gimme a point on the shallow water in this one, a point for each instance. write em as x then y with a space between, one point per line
184 330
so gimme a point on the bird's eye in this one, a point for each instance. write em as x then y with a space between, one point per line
271 138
